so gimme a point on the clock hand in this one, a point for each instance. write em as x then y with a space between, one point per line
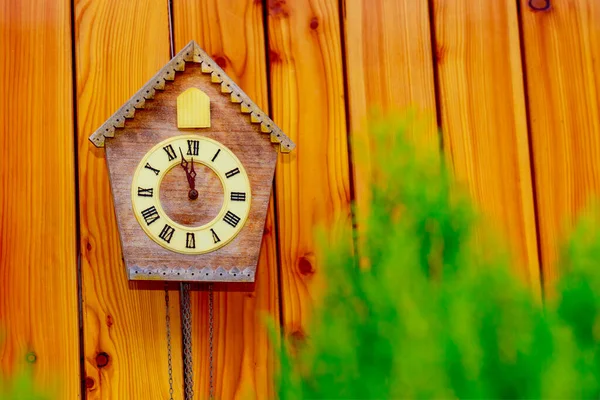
193 193
184 163
192 175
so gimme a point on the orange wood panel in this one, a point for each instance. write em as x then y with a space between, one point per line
484 119
389 70
562 49
313 182
232 33
120 45
38 268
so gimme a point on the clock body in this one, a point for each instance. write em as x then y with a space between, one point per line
218 209
238 225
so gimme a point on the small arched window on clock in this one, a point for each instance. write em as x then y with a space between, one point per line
193 109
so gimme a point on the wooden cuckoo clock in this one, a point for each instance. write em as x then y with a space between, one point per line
191 160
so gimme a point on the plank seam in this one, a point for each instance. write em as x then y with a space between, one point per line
171 29
351 169
79 277
534 186
436 77
265 15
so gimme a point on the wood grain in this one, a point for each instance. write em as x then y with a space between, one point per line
158 121
126 321
38 268
231 32
313 183
562 49
484 118
389 71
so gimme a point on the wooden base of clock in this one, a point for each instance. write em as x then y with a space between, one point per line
157 121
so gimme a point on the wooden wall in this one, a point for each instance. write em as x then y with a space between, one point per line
514 92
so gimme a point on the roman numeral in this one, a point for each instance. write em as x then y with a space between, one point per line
145 192
231 219
193 147
215 237
233 172
167 233
238 196
190 241
156 171
150 215
216 154
170 152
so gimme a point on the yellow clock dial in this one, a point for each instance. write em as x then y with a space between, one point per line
191 194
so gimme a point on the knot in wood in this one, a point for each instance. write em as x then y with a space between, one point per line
31 357
278 8
89 382
102 360
221 61
305 266
539 5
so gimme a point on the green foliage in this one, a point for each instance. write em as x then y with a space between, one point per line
21 384
435 311
20 387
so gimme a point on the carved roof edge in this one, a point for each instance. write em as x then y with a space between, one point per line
192 53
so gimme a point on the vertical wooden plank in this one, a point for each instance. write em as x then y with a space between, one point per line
38 270
313 182
484 118
232 33
120 45
390 68
562 49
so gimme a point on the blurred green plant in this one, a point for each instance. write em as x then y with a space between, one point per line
435 309
21 386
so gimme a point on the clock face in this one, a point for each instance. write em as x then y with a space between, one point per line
191 194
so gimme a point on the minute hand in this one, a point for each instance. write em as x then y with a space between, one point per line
184 165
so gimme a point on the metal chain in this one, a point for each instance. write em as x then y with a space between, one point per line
186 328
211 390
168 320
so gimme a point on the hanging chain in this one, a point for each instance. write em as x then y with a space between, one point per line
211 390
168 320
186 327
186 330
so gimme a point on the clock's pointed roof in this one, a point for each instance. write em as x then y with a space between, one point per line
192 53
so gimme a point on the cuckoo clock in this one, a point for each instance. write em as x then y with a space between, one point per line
191 160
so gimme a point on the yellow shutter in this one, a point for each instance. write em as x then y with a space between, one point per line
193 109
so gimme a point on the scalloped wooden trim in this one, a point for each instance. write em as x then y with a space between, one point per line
192 53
